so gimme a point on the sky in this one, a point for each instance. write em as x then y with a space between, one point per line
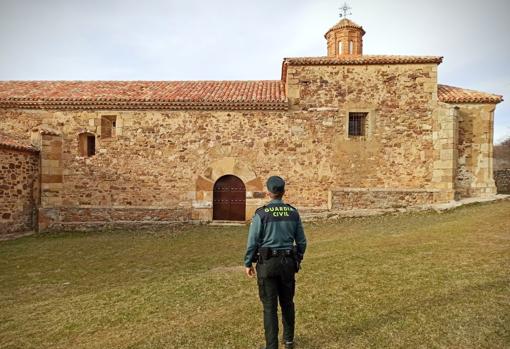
247 40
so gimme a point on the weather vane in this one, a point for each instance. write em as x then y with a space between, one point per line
345 11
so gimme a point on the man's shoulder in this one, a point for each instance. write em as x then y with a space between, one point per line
292 207
260 210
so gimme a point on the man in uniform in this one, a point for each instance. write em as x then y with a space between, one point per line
273 230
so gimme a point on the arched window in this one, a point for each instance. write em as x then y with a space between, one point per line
350 47
340 47
87 144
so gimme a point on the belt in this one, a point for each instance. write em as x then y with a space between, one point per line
276 253
266 253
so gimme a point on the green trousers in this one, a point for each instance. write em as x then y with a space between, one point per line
276 283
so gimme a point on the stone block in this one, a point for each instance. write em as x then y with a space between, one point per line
51 155
202 214
447 155
47 178
255 184
204 184
50 163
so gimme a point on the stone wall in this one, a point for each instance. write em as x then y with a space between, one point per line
366 198
501 163
474 176
170 160
19 190
502 178
398 151
502 155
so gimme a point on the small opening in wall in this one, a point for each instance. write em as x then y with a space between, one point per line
87 144
357 124
340 47
350 47
108 124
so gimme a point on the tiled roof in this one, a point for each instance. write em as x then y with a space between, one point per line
344 23
7 141
451 94
196 95
361 60
358 60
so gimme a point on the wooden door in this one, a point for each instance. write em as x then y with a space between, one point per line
229 199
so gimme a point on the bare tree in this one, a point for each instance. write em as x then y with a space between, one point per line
502 155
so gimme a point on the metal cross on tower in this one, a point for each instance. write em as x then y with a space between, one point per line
345 11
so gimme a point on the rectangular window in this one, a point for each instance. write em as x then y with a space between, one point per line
108 124
87 144
357 124
91 145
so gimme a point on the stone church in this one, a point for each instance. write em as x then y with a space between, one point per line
346 131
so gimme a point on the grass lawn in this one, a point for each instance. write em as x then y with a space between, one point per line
422 280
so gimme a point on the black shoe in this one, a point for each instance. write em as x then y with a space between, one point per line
289 345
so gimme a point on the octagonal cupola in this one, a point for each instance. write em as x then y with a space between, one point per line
345 39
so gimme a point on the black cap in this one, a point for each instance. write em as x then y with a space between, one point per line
275 185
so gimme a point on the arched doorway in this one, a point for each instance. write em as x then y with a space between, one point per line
229 199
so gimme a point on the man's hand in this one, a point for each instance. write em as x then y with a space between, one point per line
250 271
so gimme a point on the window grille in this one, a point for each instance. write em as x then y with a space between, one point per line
357 124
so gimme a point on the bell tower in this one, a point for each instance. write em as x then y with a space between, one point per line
345 38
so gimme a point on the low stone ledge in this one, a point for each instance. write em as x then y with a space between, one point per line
314 216
89 218
107 225
16 235
381 198
391 190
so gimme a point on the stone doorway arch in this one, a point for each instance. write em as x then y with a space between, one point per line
202 206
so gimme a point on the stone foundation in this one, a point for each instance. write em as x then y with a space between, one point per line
381 198
502 178
89 218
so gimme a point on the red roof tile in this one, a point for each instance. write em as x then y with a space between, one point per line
451 94
223 95
344 23
7 141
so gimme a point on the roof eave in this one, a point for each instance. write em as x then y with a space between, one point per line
472 100
140 105
363 60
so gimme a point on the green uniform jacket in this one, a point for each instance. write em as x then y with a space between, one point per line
276 225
